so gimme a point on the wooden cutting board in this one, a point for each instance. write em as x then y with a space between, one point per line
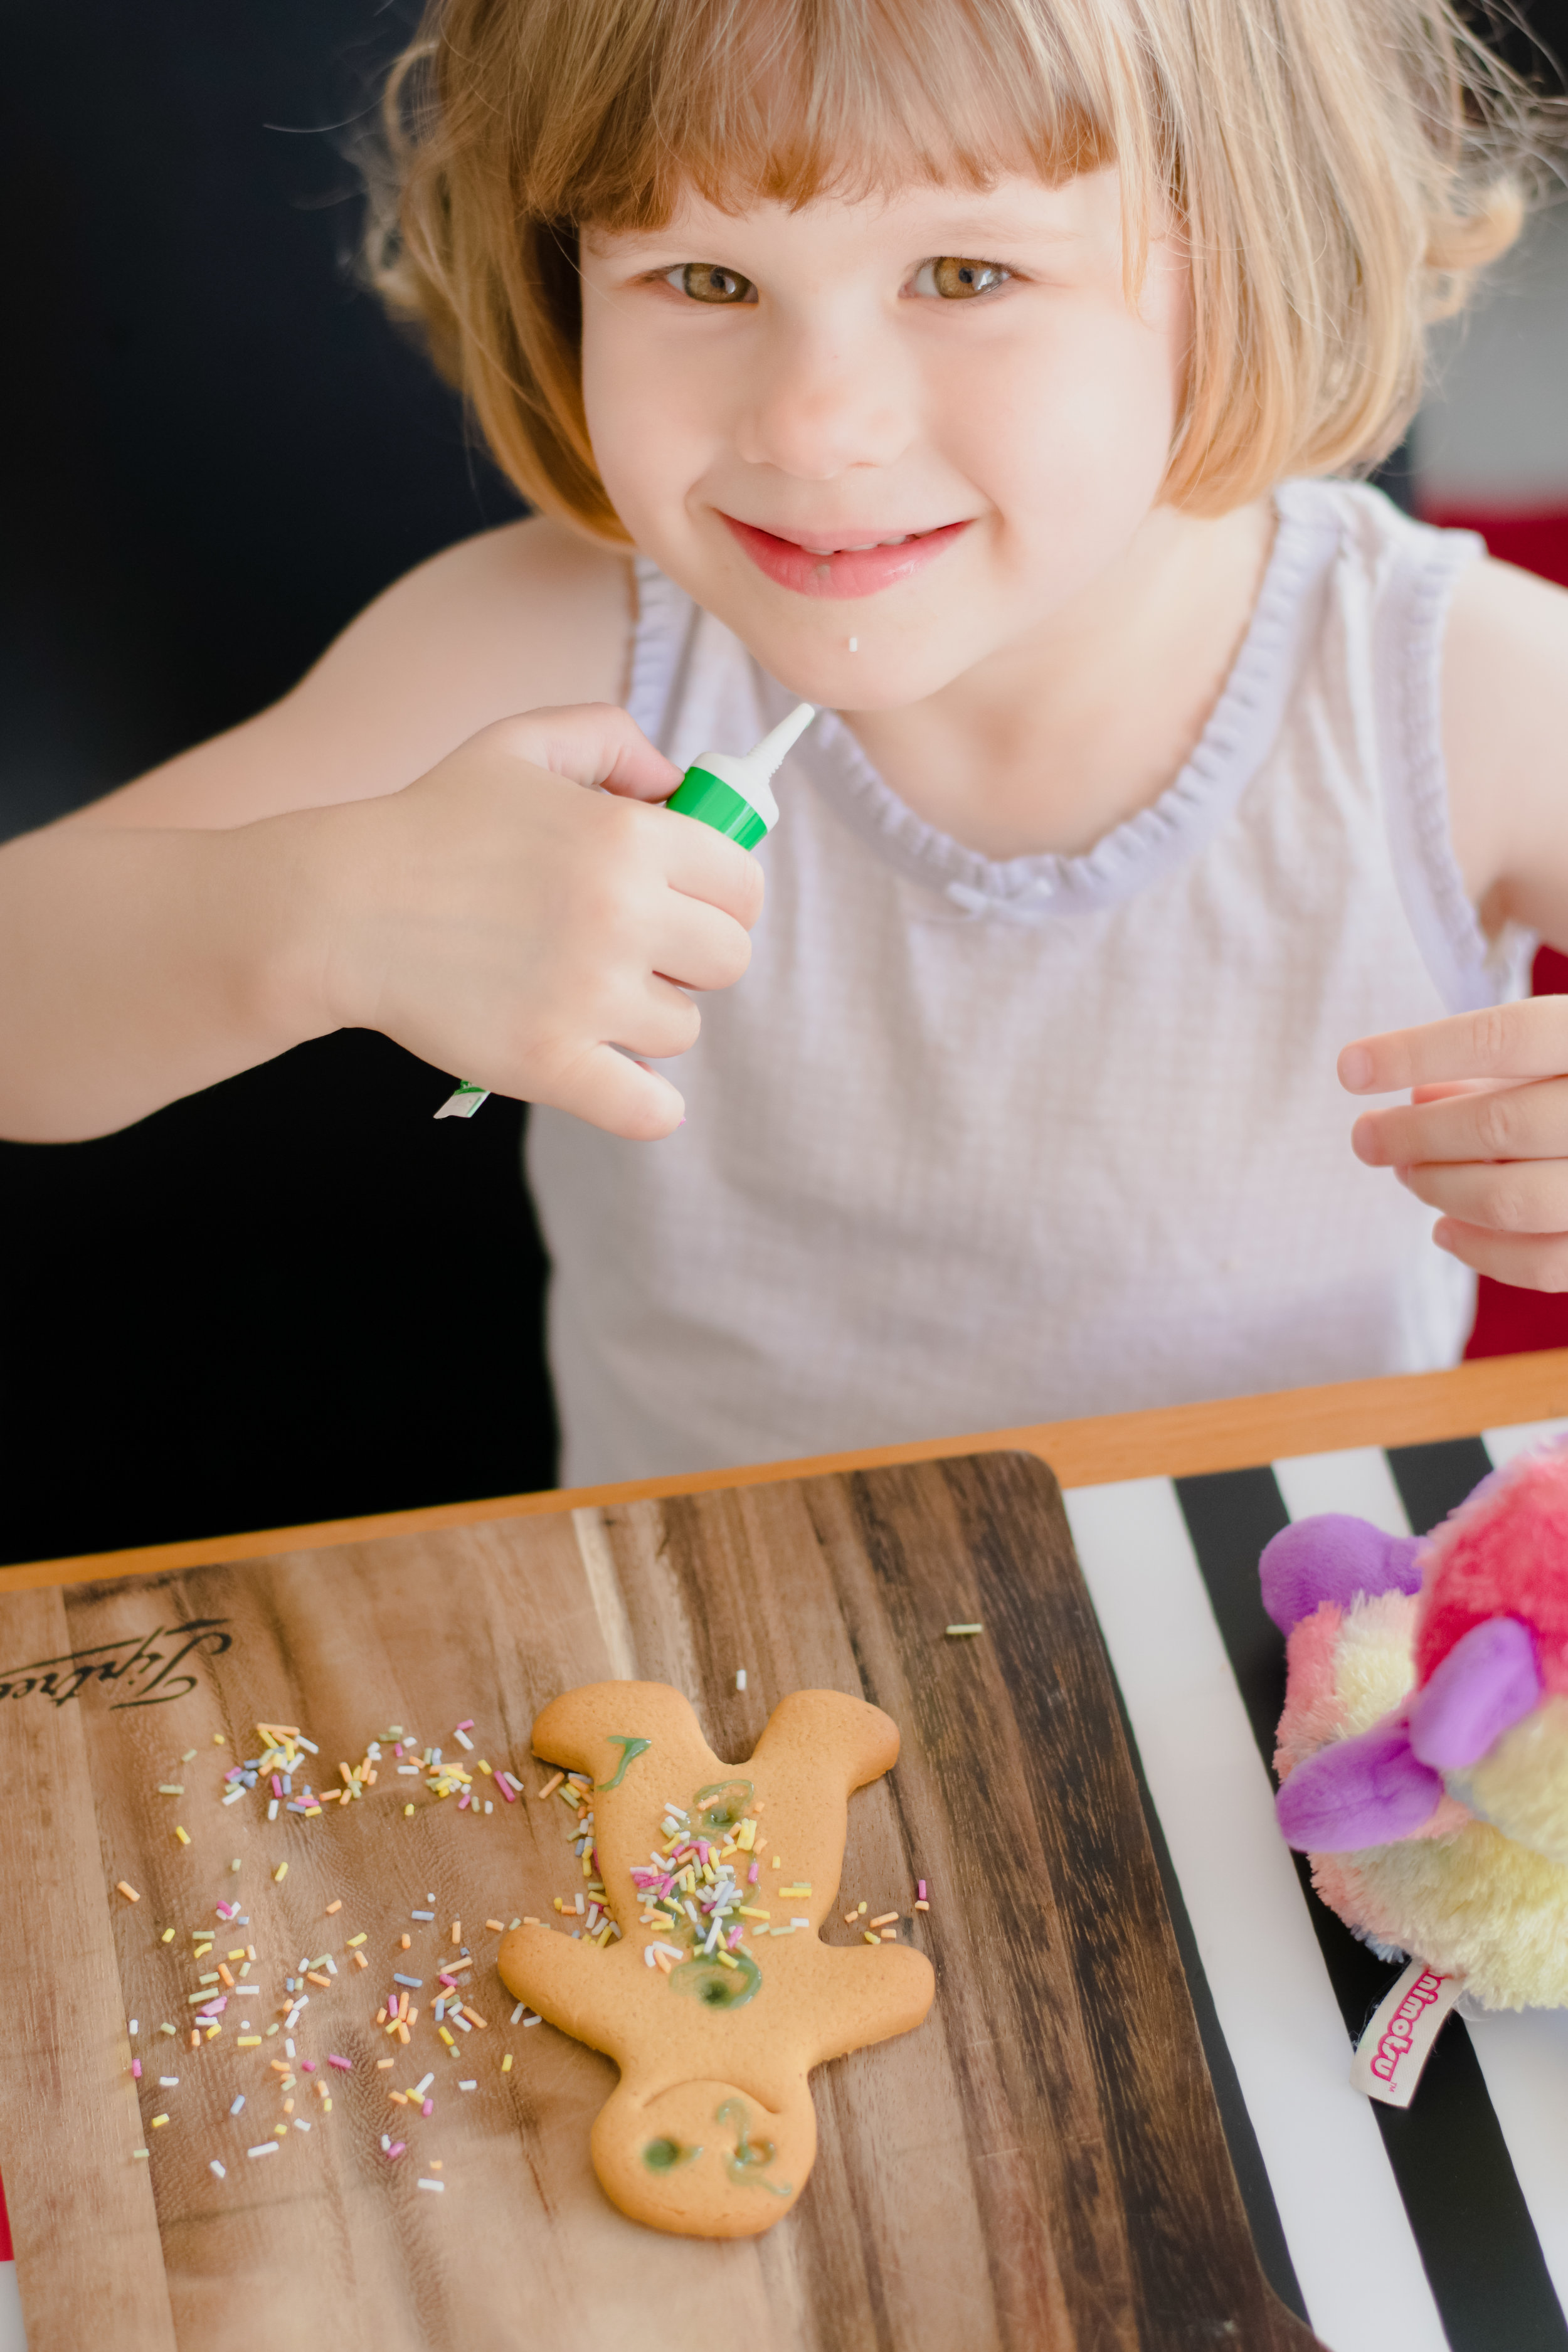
1041 2164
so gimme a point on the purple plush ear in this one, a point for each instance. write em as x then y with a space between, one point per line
1488 1681
1333 1558
1371 1790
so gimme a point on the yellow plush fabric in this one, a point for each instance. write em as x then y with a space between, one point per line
1473 1904
1522 1784
1374 1670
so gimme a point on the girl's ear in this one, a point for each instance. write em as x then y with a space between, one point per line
1371 1790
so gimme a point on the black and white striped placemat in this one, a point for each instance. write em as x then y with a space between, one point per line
1445 2225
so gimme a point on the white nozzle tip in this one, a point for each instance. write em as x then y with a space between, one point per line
775 746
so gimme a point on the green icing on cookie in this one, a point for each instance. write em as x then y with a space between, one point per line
747 2164
630 1750
720 1806
715 1986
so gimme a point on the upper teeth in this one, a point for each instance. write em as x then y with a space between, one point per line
855 546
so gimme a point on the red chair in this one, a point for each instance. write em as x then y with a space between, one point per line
1512 1322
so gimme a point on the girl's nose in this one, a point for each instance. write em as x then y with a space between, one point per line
818 406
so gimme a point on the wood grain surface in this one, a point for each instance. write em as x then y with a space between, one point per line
1041 2164
1170 1442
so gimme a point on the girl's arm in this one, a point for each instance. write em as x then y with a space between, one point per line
386 848
1484 1138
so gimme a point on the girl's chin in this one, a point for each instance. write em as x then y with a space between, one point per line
907 667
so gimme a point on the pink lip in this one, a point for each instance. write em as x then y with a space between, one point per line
855 572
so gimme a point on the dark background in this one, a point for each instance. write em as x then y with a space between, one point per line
297 1296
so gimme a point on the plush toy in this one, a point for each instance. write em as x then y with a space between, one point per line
1423 1750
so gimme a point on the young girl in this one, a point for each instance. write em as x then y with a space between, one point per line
976 370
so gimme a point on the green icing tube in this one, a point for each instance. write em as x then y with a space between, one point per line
731 791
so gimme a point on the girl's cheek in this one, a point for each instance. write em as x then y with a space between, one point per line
1069 446
644 425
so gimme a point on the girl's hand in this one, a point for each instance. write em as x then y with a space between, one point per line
1485 1136
510 927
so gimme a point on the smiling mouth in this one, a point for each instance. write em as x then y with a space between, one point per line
827 564
832 543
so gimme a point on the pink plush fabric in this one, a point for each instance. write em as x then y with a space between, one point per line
1344 1890
1503 1553
1312 1711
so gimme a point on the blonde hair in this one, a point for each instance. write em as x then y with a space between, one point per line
1339 170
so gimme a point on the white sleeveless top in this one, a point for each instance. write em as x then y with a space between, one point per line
980 1143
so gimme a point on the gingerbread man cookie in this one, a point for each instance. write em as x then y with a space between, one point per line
719 1997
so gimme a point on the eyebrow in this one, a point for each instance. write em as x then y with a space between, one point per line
963 232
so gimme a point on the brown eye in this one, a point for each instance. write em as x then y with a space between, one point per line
708 282
957 280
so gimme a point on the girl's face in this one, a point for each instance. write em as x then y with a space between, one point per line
925 423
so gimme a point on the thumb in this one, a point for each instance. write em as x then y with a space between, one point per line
592 743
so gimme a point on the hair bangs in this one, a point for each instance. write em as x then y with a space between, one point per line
767 100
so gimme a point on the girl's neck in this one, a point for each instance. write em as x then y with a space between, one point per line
1053 740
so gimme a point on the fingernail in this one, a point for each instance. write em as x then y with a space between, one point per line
1355 1069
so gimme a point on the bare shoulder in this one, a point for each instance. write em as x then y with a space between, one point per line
1505 734
527 615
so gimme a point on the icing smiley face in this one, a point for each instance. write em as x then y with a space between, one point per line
718 1997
